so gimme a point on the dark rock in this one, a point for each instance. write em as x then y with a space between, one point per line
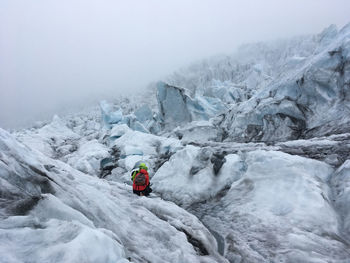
23 206
196 243
218 159
195 169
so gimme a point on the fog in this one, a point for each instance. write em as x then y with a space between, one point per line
56 56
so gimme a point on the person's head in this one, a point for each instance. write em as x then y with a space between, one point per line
143 166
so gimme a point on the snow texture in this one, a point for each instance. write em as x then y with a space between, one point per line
248 155
265 204
52 213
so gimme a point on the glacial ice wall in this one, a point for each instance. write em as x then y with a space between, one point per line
176 107
313 101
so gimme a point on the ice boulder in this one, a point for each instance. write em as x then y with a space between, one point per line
227 92
144 113
199 132
172 104
88 156
150 121
202 108
154 126
268 120
134 124
118 131
110 115
176 107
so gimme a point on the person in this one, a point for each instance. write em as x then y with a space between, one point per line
140 179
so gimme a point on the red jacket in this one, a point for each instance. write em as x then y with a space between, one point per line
141 187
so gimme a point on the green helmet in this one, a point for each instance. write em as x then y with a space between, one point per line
143 166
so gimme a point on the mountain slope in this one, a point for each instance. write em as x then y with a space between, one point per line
248 156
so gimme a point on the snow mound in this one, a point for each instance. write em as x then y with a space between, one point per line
189 176
54 139
88 156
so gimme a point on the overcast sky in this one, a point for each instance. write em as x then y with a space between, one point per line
57 53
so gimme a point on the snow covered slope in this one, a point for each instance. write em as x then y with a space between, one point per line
313 101
284 90
267 206
248 157
53 213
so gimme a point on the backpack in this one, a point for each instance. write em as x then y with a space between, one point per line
140 179
133 174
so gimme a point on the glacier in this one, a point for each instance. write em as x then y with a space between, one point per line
176 107
248 155
51 213
305 94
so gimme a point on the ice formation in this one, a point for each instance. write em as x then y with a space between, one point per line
176 107
52 213
249 159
